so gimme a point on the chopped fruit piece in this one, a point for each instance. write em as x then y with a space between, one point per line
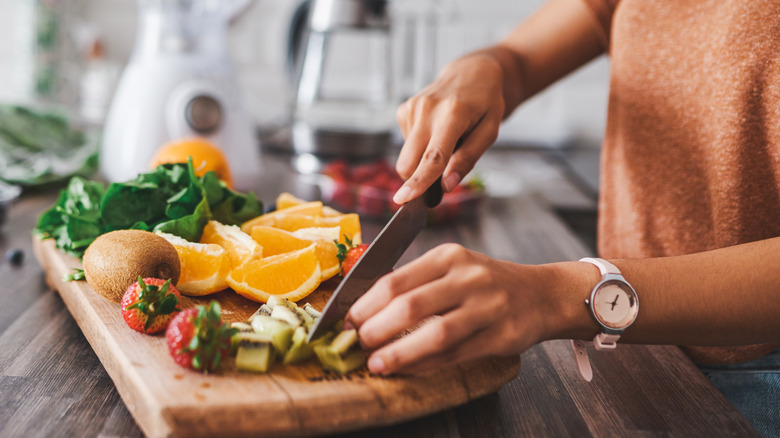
255 352
198 339
339 355
239 245
270 219
293 275
149 305
204 266
349 223
287 200
349 255
317 233
275 241
279 331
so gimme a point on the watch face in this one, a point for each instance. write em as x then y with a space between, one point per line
614 304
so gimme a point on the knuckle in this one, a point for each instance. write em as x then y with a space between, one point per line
406 309
434 156
424 104
441 334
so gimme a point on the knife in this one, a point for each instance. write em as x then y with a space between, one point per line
379 258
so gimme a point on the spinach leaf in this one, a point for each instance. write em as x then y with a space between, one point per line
170 198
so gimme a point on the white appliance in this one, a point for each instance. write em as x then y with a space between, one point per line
180 83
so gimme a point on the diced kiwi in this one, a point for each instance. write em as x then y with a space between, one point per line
275 301
314 313
342 364
263 310
255 352
344 341
242 328
299 350
280 332
287 315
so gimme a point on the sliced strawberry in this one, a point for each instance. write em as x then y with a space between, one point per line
198 339
149 304
349 254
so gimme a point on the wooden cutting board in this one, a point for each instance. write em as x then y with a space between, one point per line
295 400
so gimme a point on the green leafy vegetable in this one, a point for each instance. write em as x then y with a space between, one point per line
170 198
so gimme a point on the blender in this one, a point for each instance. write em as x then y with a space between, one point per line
179 83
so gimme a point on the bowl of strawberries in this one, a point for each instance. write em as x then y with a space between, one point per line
368 189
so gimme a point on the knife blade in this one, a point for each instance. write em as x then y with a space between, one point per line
379 258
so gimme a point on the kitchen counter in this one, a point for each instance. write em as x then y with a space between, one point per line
52 384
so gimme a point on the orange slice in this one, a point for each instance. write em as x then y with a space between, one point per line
275 241
204 266
238 244
349 223
313 208
293 275
286 200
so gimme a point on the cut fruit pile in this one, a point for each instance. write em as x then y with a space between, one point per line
278 330
286 253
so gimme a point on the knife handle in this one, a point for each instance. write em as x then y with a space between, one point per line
435 192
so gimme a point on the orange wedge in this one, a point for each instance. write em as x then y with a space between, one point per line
286 200
313 208
204 266
275 241
349 223
292 275
238 244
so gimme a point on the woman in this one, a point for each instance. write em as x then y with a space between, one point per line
689 208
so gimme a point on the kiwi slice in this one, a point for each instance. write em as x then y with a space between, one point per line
286 315
255 352
263 310
339 354
314 313
342 364
301 350
281 333
242 328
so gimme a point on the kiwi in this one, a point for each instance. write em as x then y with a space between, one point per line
255 352
280 332
339 355
115 260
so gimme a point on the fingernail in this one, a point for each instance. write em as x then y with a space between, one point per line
376 364
401 195
451 181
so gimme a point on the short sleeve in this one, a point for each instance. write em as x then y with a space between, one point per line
602 12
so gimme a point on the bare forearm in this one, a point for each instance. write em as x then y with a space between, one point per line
553 42
729 296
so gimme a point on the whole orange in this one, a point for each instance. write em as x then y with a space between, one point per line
205 156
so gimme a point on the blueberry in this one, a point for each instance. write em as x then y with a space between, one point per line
15 256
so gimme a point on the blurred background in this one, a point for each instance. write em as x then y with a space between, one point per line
58 51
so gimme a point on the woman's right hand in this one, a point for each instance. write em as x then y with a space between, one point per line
466 104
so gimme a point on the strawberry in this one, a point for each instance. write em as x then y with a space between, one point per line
198 339
349 254
149 304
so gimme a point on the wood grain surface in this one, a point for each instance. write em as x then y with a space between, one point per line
167 400
52 383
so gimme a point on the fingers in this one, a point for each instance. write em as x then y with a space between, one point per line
427 268
406 311
439 334
474 144
487 342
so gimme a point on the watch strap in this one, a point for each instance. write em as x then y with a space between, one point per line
604 266
583 363
604 341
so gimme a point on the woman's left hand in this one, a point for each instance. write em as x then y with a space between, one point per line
481 307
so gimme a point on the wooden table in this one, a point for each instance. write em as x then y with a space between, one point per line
52 384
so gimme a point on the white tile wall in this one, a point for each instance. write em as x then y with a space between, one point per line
575 108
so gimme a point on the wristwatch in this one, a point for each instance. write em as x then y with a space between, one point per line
614 304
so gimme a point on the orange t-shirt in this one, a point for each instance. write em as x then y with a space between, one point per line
691 154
